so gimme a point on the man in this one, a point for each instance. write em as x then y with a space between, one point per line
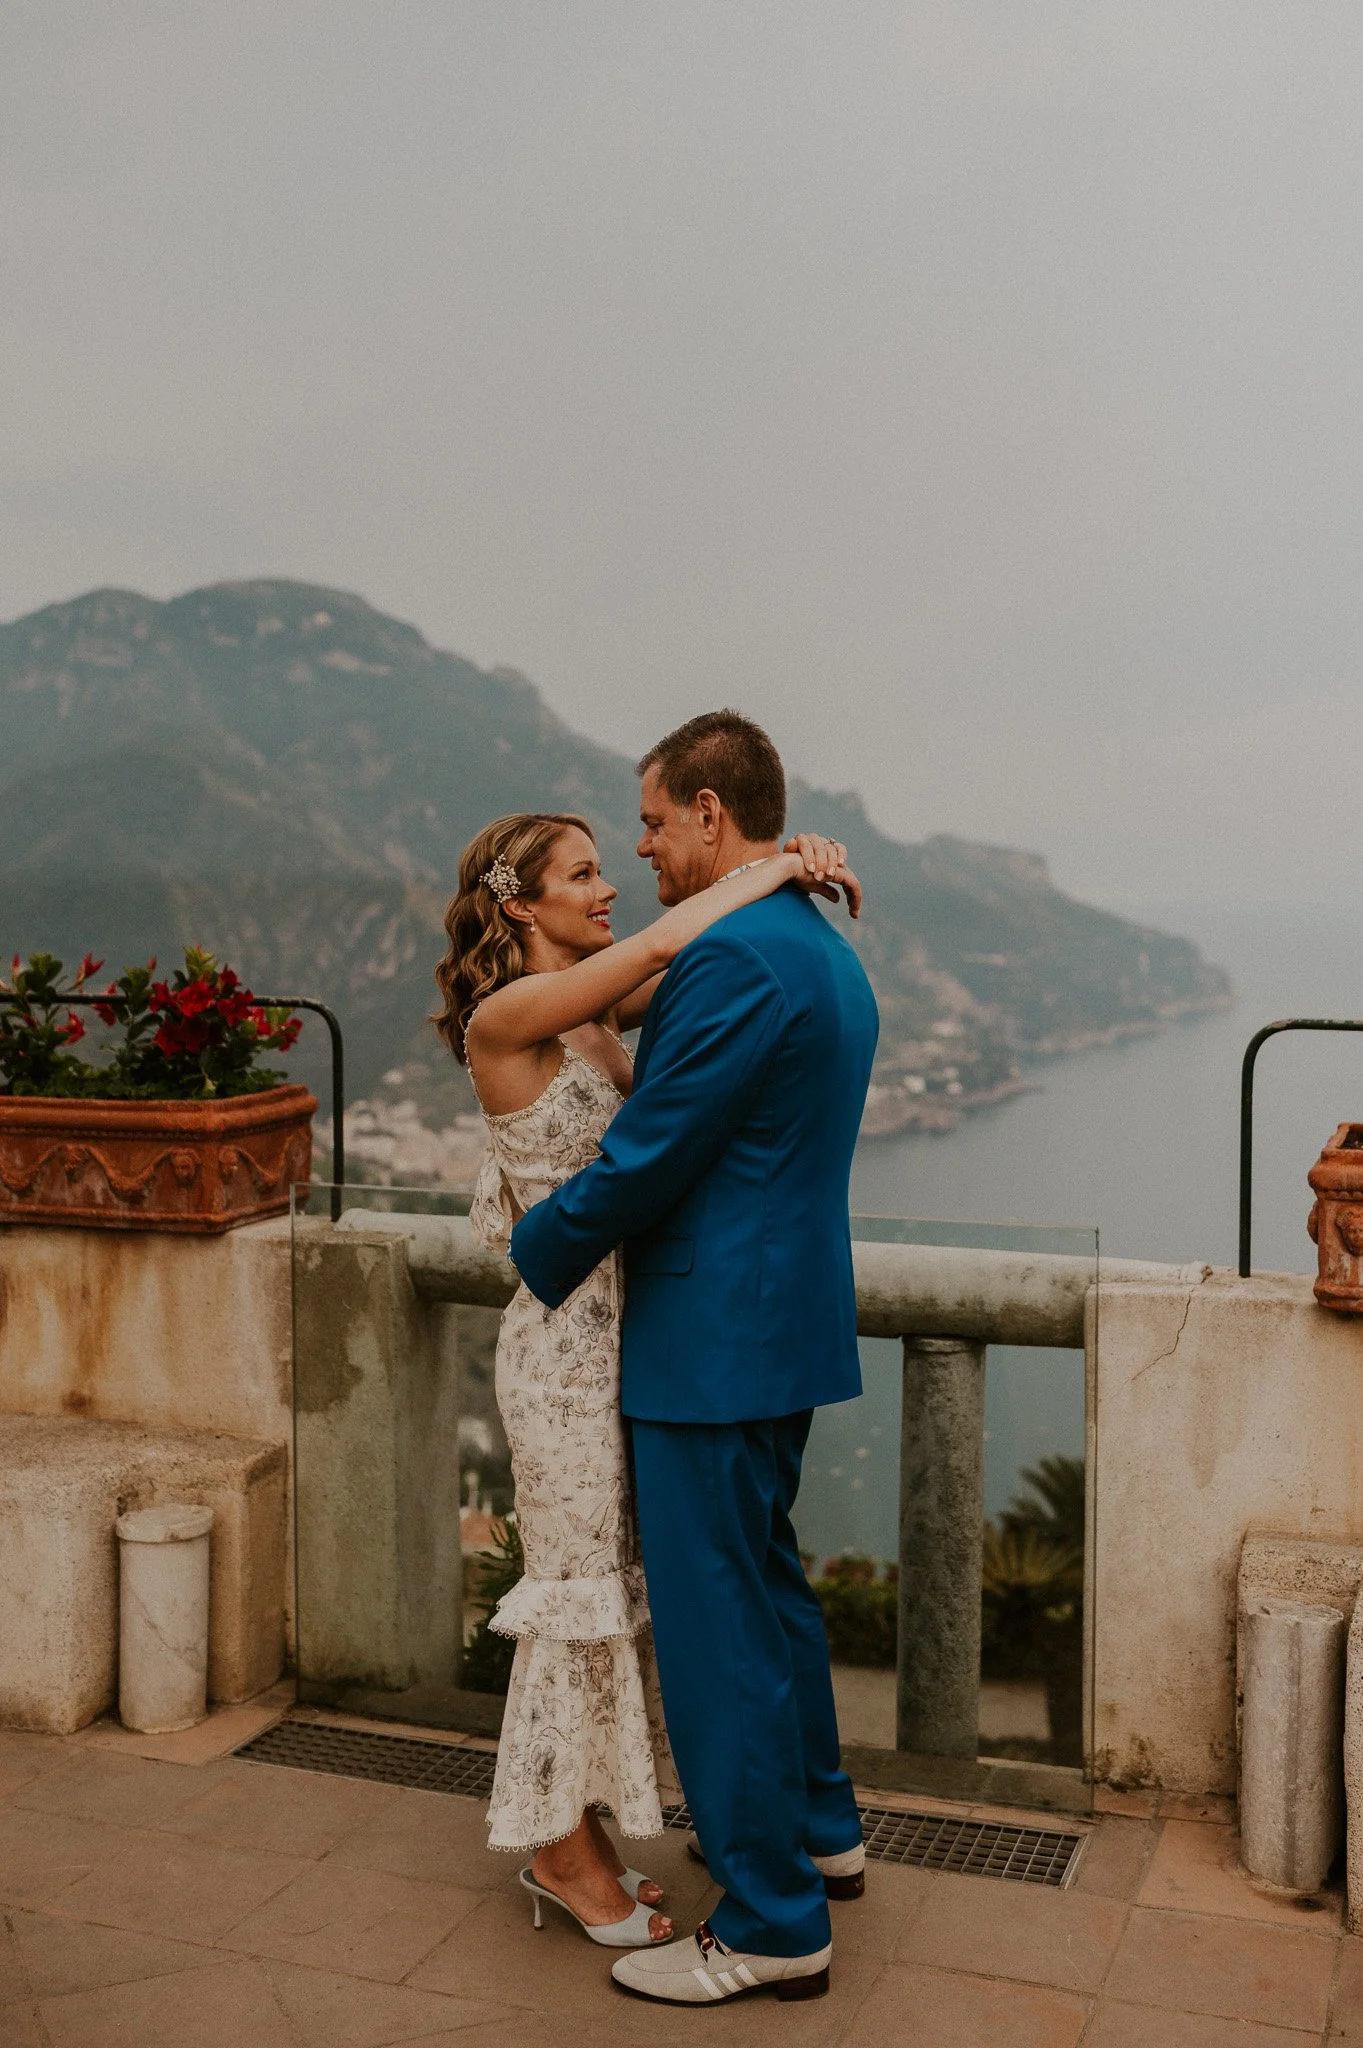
725 1178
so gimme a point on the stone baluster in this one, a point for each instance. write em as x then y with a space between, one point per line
941 1541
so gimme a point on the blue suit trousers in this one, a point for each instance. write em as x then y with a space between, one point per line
743 1660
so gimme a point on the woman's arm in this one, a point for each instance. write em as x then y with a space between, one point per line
721 1016
826 871
631 1010
541 1006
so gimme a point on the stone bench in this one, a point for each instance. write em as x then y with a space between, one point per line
63 1482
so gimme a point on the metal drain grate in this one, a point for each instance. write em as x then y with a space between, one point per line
979 1848
395 1759
934 1841
922 1841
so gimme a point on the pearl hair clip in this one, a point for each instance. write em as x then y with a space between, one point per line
502 879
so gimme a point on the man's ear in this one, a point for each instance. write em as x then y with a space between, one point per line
709 815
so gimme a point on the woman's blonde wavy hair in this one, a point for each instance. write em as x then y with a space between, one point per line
485 950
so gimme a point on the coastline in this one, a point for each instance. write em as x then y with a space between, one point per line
937 1113
892 1109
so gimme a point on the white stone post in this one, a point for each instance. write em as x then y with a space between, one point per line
163 1617
1291 1753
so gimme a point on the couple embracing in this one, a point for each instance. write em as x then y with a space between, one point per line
686 1301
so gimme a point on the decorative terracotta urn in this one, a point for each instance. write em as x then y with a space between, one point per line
1336 1220
196 1167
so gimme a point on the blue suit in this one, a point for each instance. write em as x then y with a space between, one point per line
725 1178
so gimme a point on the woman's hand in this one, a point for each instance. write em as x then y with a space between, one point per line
825 868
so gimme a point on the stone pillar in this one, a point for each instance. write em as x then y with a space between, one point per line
377 1472
163 1617
1291 1748
941 1544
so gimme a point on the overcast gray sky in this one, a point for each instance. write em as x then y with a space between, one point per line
968 388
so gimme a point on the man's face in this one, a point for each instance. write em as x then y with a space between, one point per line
676 841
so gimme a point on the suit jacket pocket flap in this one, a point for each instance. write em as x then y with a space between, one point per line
663 1255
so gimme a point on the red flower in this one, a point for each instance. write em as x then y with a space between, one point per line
88 966
194 999
278 1036
182 1034
72 1030
106 1012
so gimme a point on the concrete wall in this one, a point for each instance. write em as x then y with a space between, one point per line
170 1333
1216 1409
167 1332
176 1334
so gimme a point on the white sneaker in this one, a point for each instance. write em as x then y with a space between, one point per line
844 1875
703 1971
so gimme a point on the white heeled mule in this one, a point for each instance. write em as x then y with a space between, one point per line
628 1933
630 1881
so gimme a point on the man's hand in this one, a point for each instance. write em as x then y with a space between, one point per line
826 869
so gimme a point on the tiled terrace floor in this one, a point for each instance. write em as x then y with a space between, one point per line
224 1904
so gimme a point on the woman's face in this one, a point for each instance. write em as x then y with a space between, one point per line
573 908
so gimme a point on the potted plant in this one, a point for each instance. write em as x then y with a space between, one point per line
179 1128
1336 1220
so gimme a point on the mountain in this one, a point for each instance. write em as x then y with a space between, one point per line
286 775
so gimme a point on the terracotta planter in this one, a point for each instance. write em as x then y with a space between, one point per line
196 1167
1336 1221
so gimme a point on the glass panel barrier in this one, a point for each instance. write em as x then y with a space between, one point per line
402 1474
405 1514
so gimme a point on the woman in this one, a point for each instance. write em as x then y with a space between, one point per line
536 994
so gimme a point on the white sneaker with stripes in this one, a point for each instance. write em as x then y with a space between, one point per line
702 1971
844 1875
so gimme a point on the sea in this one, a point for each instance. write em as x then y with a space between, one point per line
1134 1145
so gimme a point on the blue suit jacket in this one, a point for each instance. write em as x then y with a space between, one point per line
725 1177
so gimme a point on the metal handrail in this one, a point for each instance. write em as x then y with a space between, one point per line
333 1024
1247 1111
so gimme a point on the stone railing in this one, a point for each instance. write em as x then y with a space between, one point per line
946 1304
1217 1407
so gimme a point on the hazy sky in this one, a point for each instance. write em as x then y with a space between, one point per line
970 391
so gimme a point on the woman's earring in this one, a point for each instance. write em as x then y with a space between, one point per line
531 925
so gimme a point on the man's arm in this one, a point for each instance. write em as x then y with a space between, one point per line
722 1014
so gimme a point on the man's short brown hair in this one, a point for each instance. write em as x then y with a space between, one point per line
725 752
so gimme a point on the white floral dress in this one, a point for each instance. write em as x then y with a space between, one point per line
584 1720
